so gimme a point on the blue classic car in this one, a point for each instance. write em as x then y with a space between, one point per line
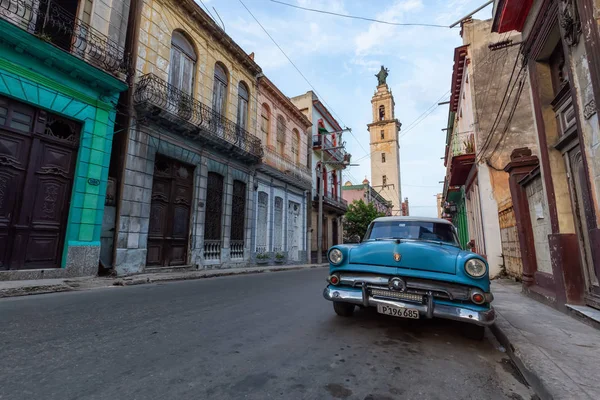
411 268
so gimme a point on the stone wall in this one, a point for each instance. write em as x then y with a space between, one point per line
540 222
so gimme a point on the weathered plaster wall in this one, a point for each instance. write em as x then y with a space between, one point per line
107 16
540 222
159 19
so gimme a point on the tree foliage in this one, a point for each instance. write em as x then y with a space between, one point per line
358 217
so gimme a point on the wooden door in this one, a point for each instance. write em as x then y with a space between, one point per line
168 231
580 198
37 163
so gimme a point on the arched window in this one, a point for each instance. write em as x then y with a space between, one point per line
220 89
265 123
242 112
281 134
183 60
381 113
296 146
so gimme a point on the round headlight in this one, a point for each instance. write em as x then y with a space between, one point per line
335 256
475 267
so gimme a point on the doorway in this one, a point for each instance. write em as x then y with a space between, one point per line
293 230
168 230
38 153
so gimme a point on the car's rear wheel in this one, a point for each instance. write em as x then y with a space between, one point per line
474 332
343 309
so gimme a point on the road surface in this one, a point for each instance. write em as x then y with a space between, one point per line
264 336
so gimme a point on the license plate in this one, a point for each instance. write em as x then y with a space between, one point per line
396 311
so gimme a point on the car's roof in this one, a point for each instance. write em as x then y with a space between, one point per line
414 219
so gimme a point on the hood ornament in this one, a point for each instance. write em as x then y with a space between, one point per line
397 257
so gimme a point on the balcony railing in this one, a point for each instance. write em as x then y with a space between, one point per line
336 202
287 166
51 23
154 94
324 142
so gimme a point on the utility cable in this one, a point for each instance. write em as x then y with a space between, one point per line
358 17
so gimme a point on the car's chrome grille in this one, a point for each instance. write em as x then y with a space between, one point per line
397 295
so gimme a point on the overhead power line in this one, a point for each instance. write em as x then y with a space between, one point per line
358 17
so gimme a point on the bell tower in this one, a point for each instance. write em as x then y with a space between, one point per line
384 144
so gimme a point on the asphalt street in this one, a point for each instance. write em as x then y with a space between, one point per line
264 336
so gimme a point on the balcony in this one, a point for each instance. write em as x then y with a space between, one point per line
335 204
462 157
337 158
289 171
54 25
180 113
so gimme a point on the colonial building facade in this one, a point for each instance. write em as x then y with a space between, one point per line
555 193
481 134
329 159
188 189
368 194
62 67
283 179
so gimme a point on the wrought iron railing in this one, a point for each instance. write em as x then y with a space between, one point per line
212 250
151 89
333 201
284 164
50 22
237 249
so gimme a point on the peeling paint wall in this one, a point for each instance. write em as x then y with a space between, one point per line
540 222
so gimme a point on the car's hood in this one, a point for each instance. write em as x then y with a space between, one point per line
425 256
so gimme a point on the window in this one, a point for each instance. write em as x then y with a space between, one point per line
384 179
265 122
296 146
183 59
281 134
382 135
382 157
416 230
214 207
381 113
242 112
220 89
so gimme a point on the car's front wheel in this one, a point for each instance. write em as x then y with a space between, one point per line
343 309
474 332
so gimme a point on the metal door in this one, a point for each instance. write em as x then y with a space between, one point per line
168 230
293 230
37 163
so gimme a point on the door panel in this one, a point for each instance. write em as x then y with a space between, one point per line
168 230
36 175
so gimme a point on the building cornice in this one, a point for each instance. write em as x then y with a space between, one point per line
200 16
282 99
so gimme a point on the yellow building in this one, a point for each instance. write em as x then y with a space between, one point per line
187 190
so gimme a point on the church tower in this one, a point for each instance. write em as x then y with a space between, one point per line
385 146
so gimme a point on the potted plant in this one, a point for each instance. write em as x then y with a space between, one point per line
262 258
279 258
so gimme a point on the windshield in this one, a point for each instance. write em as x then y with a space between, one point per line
415 230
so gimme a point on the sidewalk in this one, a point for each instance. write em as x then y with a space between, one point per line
42 286
558 355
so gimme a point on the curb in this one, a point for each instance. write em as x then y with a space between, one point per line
69 286
544 377
131 281
31 290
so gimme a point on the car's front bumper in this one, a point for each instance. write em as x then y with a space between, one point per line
429 310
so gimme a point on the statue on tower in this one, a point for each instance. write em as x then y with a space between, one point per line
382 76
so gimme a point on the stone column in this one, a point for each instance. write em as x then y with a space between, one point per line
227 203
522 162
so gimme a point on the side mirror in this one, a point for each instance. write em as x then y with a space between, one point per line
354 239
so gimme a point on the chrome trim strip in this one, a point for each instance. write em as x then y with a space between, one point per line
457 313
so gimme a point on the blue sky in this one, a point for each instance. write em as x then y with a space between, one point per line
340 56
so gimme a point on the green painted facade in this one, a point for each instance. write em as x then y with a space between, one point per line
38 73
460 218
